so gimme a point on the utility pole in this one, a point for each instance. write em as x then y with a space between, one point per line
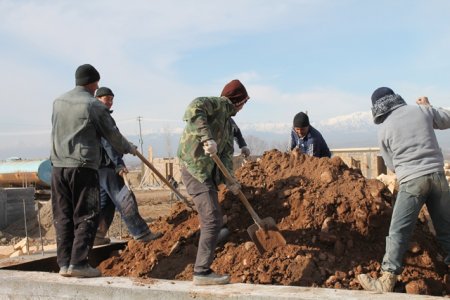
141 142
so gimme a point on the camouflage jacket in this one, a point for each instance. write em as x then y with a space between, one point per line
207 118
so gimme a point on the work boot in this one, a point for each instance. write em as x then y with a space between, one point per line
383 284
83 271
101 241
149 237
63 271
210 279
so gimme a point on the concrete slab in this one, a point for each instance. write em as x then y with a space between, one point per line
42 285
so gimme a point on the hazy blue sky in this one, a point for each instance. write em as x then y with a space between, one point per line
326 57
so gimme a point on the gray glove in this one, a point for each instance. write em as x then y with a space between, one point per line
133 149
245 151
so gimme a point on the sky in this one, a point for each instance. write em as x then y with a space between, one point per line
325 57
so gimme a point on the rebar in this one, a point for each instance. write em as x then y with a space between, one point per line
40 231
26 229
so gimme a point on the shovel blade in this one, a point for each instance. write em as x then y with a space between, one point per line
266 237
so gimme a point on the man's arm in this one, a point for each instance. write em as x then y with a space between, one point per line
237 134
106 127
196 116
441 116
385 152
293 140
115 157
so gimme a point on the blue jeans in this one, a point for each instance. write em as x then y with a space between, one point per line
113 196
431 190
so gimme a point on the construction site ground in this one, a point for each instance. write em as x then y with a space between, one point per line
334 220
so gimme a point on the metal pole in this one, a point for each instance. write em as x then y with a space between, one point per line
40 231
26 229
141 142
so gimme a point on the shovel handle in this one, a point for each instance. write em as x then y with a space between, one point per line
163 179
126 180
241 195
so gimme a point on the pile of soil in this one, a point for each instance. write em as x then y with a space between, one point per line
334 221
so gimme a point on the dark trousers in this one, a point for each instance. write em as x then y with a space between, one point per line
75 204
113 196
207 205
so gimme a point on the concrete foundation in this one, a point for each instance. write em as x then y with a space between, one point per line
42 285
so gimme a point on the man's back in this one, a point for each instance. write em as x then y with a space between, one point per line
74 137
408 142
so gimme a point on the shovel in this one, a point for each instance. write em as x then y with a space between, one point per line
163 179
264 233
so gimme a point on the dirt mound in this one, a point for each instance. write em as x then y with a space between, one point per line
334 220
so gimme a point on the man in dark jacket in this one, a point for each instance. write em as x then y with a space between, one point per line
112 168
307 138
78 122
208 131
239 139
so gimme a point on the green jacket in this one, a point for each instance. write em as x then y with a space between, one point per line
207 118
78 122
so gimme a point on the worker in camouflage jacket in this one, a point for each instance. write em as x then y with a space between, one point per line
209 131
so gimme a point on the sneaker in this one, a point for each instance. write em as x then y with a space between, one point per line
383 284
101 241
211 279
83 271
63 271
149 237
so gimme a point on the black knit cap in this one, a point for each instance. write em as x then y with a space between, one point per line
380 93
86 74
301 120
103 91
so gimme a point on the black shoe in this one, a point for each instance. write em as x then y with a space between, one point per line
149 237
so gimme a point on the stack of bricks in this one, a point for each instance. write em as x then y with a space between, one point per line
447 171
24 247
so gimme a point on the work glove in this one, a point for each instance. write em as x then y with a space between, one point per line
210 147
245 151
234 187
133 149
423 101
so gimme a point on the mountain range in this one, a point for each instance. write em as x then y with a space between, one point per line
347 131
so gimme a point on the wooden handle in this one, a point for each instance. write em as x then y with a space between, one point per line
241 195
126 180
163 179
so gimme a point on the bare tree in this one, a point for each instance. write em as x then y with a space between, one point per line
257 145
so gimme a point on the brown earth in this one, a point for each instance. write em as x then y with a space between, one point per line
334 221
